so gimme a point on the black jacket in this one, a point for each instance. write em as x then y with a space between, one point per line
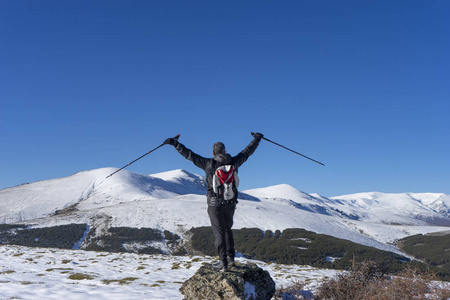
209 165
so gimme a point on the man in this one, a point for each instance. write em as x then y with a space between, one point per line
220 215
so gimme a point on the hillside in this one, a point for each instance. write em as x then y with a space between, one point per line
175 201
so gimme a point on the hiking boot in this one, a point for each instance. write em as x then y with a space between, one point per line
219 267
230 260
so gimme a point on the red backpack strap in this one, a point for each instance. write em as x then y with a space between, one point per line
225 176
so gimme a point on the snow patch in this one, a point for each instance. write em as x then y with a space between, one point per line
332 259
54 274
249 291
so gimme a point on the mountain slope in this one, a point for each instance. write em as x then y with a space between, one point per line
91 190
403 208
175 201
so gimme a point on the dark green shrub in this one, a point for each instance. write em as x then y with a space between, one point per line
63 236
298 246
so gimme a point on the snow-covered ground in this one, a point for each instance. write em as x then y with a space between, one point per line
42 273
175 201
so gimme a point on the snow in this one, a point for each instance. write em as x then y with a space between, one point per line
249 291
42 273
175 201
401 208
331 259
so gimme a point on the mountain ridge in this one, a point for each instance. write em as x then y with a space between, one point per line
175 201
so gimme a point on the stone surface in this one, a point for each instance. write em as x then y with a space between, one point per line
246 282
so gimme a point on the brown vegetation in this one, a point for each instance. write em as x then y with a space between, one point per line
366 281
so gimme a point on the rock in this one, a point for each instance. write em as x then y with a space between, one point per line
246 282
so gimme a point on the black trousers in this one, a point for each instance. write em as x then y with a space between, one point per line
221 222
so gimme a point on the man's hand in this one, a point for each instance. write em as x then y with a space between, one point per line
258 136
171 141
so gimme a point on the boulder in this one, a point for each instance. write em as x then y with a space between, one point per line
246 282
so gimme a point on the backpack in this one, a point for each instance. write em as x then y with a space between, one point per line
225 183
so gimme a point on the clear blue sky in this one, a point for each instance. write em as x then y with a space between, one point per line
362 86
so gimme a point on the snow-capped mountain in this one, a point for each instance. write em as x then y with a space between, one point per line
175 201
433 208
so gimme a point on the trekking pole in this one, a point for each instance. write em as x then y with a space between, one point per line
290 150
176 138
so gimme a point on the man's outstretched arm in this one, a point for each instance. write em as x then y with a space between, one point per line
198 160
249 150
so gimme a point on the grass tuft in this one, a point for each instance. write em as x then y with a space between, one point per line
80 276
124 281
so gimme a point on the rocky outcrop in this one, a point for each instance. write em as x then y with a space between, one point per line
246 282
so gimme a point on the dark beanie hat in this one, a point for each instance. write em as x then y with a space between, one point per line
218 148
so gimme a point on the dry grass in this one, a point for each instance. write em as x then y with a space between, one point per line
368 282
291 292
